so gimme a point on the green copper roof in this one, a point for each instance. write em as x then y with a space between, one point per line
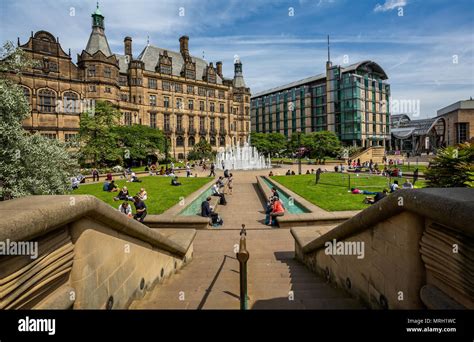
97 10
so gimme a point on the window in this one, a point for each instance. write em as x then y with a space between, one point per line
49 135
202 123
213 124
222 140
47 101
166 85
108 90
167 122
179 103
179 141
70 102
213 140
211 93
152 83
179 122
222 124
127 118
201 105
191 141
221 94
247 111
26 93
212 107
91 71
190 74
201 91
165 69
190 104
92 88
107 72
462 130
136 81
153 120
178 87
190 89
191 123
153 100
70 137
221 108
123 81
166 102
124 97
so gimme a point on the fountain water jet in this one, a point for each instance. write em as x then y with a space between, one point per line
242 158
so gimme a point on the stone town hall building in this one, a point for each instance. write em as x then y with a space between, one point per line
176 92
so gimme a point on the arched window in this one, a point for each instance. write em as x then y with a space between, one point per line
191 141
203 138
180 141
213 141
47 101
222 141
70 102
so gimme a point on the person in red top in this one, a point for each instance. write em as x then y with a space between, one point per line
277 209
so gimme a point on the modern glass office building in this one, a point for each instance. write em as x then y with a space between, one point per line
351 101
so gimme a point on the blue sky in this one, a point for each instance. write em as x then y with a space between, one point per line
425 46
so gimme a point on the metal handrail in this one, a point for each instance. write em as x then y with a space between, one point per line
243 256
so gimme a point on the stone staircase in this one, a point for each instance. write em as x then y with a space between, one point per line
275 279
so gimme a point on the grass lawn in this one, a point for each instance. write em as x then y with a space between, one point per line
161 194
413 167
331 193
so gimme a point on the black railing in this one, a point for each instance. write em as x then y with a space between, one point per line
243 256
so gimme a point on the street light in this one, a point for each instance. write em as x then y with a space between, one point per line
299 152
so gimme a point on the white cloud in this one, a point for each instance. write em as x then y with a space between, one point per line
390 5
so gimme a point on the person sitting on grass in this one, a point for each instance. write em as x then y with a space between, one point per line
112 187
174 181
123 195
288 173
206 209
394 187
378 196
125 208
277 210
105 186
140 208
135 178
293 173
74 183
143 195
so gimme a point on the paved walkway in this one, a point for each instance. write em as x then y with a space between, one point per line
275 279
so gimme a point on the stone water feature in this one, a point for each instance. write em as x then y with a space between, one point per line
242 158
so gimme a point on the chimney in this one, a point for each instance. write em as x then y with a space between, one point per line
128 46
219 68
183 45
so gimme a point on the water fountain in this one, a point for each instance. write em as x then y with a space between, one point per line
242 158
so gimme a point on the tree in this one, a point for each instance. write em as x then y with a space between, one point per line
269 143
202 150
29 164
453 166
324 144
139 141
98 142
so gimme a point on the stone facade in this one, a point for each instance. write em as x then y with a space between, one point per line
186 97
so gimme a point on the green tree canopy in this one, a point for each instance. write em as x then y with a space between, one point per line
202 150
29 164
98 142
453 166
139 141
269 143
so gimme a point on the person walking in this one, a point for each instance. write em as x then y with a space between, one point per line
230 183
213 173
318 175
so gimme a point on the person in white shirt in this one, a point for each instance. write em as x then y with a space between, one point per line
407 184
126 209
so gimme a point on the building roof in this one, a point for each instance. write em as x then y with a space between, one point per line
98 42
421 127
466 104
364 65
151 54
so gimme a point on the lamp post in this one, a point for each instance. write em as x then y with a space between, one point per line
299 152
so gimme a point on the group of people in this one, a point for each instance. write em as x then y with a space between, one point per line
274 208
